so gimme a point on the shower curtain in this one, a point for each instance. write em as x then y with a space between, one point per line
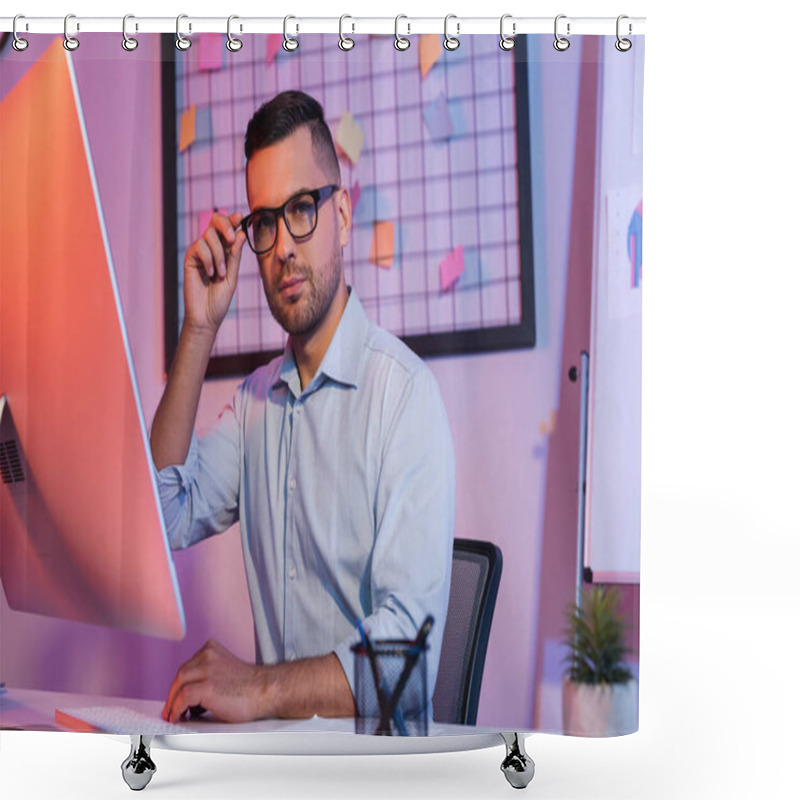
494 217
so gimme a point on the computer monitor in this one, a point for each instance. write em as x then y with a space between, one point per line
81 531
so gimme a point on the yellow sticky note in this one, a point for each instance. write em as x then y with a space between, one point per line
430 49
350 137
382 251
187 128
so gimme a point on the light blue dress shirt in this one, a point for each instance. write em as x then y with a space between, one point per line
345 492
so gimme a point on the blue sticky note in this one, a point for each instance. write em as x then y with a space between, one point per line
202 125
458 118
472 276
373 205
438 119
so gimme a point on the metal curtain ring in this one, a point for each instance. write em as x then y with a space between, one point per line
70 42
561 43
19 44
128 42
506 42
233 44
181 42
623 45
289 42
345 43
400 42
451 42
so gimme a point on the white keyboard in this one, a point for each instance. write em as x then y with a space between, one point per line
117 719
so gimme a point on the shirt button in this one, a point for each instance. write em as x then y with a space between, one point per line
292 484
292 572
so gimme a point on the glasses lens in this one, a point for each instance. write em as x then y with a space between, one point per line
301 215
261 231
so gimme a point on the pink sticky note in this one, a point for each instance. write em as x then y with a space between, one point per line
450 268
355 195
204 220
274 44
209 55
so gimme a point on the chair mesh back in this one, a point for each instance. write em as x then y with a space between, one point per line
469 576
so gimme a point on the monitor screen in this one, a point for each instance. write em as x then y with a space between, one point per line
81 531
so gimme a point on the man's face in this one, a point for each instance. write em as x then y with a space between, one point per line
301 277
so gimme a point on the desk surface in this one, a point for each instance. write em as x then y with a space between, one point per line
27 709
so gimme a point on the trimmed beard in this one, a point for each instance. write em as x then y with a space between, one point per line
302 316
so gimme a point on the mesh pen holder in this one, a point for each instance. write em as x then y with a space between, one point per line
391 688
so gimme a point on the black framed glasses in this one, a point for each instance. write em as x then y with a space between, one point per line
299 212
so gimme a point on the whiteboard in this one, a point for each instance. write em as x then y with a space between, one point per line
612 543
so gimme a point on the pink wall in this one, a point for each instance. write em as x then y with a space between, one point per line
516 479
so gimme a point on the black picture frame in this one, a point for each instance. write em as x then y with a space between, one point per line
431 345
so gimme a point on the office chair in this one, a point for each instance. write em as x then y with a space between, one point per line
473 590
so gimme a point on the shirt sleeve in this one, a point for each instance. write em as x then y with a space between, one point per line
201 496
415 518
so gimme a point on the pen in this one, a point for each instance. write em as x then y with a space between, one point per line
411 659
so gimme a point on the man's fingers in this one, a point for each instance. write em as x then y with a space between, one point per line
235 256
190 695
201 258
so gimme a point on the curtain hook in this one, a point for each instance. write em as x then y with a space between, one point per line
128 42
623 45
70 42
233 44
506 42
400 42
561 43
19 44
345 42
451 42
290 43
181 42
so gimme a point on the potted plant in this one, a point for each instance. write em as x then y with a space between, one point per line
600 696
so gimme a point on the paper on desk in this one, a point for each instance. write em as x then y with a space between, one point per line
382 251
187 134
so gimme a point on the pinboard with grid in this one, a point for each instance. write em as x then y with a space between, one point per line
434 150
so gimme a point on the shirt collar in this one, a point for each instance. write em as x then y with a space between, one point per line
343 356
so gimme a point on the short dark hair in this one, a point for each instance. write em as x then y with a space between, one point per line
281 117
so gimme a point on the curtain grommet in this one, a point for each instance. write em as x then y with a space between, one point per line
401 43
290 43
129 43
507 42
181 42
70 42
561 43
19 44
451 42
345 42
623 45
233 44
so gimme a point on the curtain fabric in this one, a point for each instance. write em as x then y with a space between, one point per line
495 233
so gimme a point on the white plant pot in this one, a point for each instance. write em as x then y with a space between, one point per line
602 710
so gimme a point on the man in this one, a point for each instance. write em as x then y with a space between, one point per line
336 458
